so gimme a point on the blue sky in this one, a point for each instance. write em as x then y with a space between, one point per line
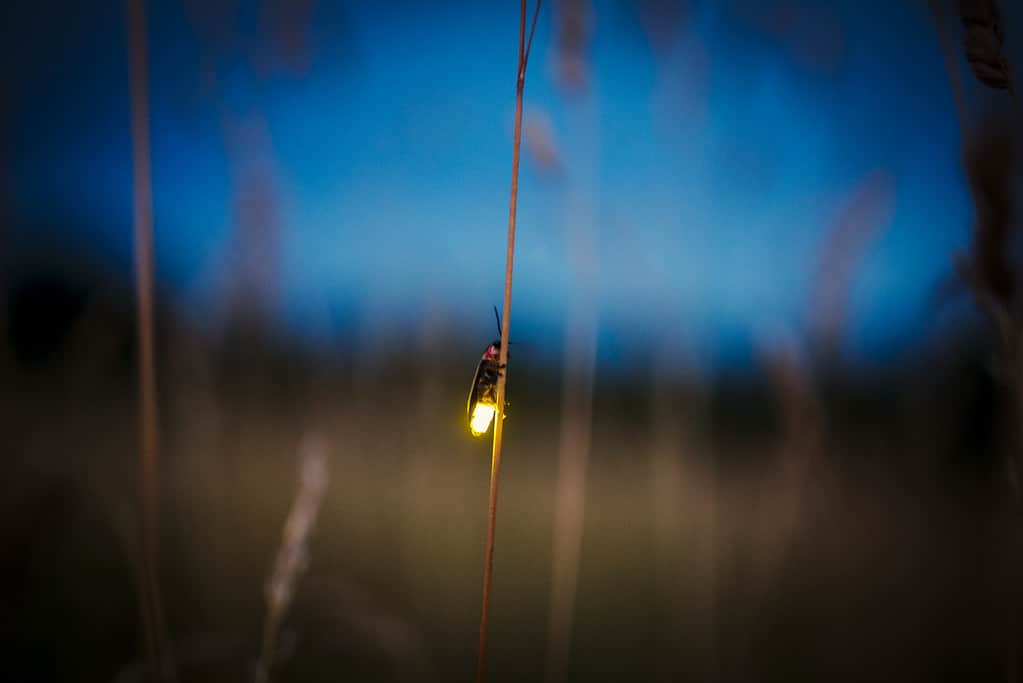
709 173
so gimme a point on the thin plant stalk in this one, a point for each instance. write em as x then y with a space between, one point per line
992 69
495 463
570 491
948 57
666 499
293 555
579 370
682 504
157 663
6 218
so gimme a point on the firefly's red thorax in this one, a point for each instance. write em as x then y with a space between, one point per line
493 351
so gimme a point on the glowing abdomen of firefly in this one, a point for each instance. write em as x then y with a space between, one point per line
482 416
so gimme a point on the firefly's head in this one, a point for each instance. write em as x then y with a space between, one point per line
493 351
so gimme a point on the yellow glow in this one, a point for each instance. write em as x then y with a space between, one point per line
482 415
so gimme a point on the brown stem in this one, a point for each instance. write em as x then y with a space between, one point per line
579 356
1010 343
495 463
947 53
152 611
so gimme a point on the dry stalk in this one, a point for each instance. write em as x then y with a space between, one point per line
293 555
790 369
573 22
989 158
495 462
6 219
948 56
682 506
538 136
579 355
157 662
865 213
803 439
983 39
988 272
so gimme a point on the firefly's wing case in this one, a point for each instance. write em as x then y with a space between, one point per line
474 390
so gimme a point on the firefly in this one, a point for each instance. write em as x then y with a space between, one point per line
482 404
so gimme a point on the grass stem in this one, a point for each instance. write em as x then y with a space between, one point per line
152 611
495 463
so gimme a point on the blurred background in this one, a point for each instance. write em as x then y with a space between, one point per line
764 403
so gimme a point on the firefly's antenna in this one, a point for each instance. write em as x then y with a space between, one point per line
498 316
